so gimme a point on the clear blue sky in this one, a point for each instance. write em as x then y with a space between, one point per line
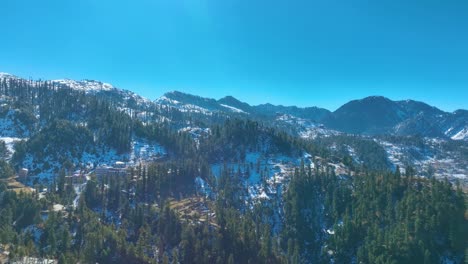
310 52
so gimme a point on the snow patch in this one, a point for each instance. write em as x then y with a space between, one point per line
85 85
461 135
164 99
5 75
233 109
10 143
203 187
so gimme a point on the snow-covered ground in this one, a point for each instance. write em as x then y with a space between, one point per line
141 150
195 131
145 150
79 188
306 128
394 152
197 107
10 126
165 100
264 176
85 85
203 187
10 143
461 135
184 108
427 160
233 109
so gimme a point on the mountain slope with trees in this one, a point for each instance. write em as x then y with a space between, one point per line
235 184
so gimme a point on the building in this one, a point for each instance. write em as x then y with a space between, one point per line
32 260
101 171
106 171
23 172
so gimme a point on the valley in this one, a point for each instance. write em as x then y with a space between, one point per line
126 179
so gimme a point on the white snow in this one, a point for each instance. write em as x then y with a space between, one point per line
190 108
394 153
203 186
144 150
10 143
233 109
432 156
184 108
141 151
10 127
461 135
263 195
196 132
78 190
5 75
33 260
459 175
164 99
307 128
85 85
277 170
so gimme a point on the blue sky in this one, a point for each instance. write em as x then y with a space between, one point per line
307 53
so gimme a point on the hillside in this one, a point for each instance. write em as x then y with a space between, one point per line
113 177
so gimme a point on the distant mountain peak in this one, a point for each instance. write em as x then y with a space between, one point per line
178 95
230 99
375 98
175 92
192 103
235 103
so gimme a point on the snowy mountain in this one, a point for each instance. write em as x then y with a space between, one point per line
378 115
198 156
374 115
195 116
188 102
312 113
456 125
233 103
371 115
196 104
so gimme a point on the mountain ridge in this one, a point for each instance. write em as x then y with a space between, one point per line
5 75
372 115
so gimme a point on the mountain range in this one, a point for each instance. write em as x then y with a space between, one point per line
373 115
191 175
374 131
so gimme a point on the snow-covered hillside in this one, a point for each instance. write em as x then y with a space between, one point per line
195 114
306 128
431 159
461 135
85 85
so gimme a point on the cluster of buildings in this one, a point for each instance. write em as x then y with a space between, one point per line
119 169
